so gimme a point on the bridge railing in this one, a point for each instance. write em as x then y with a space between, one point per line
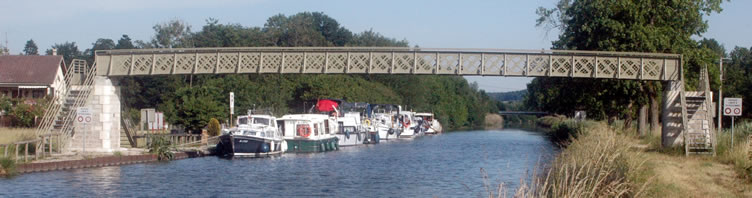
481 62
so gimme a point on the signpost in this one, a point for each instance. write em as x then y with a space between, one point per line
732 107
83 116
232 106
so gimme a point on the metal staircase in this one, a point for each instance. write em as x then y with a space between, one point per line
699 136
60 112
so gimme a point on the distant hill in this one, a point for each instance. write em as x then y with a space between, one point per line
508 96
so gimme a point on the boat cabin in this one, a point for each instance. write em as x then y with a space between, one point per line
308 126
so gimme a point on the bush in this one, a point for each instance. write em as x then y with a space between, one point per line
7 166
561 132
162 147
214 127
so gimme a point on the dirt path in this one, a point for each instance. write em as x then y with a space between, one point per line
678 176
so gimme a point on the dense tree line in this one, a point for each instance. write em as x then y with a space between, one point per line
191 101
630 26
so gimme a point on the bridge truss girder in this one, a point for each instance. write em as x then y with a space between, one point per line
348 60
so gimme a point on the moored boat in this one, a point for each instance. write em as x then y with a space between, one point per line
308 133
253 136
429 123
383 118
408 125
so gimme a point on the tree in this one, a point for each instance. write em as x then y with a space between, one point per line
68 50
195 106
31 48
306 29
371 38
125 43
738 77
642 26
173 34
100 44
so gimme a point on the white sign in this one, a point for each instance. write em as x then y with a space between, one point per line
232 102
83 115
732 106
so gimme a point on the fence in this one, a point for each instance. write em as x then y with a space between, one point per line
42 146
175 139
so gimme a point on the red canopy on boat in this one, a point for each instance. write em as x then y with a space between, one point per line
326 105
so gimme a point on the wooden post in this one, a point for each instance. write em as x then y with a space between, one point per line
26 152
16 152
50 141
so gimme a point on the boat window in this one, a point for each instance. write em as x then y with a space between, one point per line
341 127
263 121
326 127
242 121
316 129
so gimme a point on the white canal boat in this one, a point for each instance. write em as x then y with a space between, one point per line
308 133
253 136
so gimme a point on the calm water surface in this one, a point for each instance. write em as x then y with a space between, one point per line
445 165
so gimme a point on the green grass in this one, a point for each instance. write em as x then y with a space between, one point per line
738 155
596 163
10 135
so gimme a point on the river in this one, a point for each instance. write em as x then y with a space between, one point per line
447 165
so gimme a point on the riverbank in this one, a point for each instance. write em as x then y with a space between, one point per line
607 161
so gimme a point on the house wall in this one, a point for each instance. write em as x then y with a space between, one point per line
58 85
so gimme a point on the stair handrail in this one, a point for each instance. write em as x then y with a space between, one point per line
127 128
708 105
80 100
55 105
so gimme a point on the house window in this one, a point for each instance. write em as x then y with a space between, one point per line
37 93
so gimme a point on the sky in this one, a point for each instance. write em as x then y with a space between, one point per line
498 24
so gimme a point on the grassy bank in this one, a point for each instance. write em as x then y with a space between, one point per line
738 155
10 135
605 161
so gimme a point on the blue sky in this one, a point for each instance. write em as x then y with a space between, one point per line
430 24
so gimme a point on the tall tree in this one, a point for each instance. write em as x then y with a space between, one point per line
125 43
68 50
173 34
31 48
641 26
100 44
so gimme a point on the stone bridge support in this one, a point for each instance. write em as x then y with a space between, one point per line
103 133
671 134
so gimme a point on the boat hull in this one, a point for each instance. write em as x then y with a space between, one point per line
351 139
238 145
300 145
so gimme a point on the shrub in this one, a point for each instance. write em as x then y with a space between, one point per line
162 147
214 127
7 166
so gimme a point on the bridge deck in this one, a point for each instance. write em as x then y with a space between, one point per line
349 60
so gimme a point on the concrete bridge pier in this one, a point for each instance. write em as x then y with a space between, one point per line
671 112
103 133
